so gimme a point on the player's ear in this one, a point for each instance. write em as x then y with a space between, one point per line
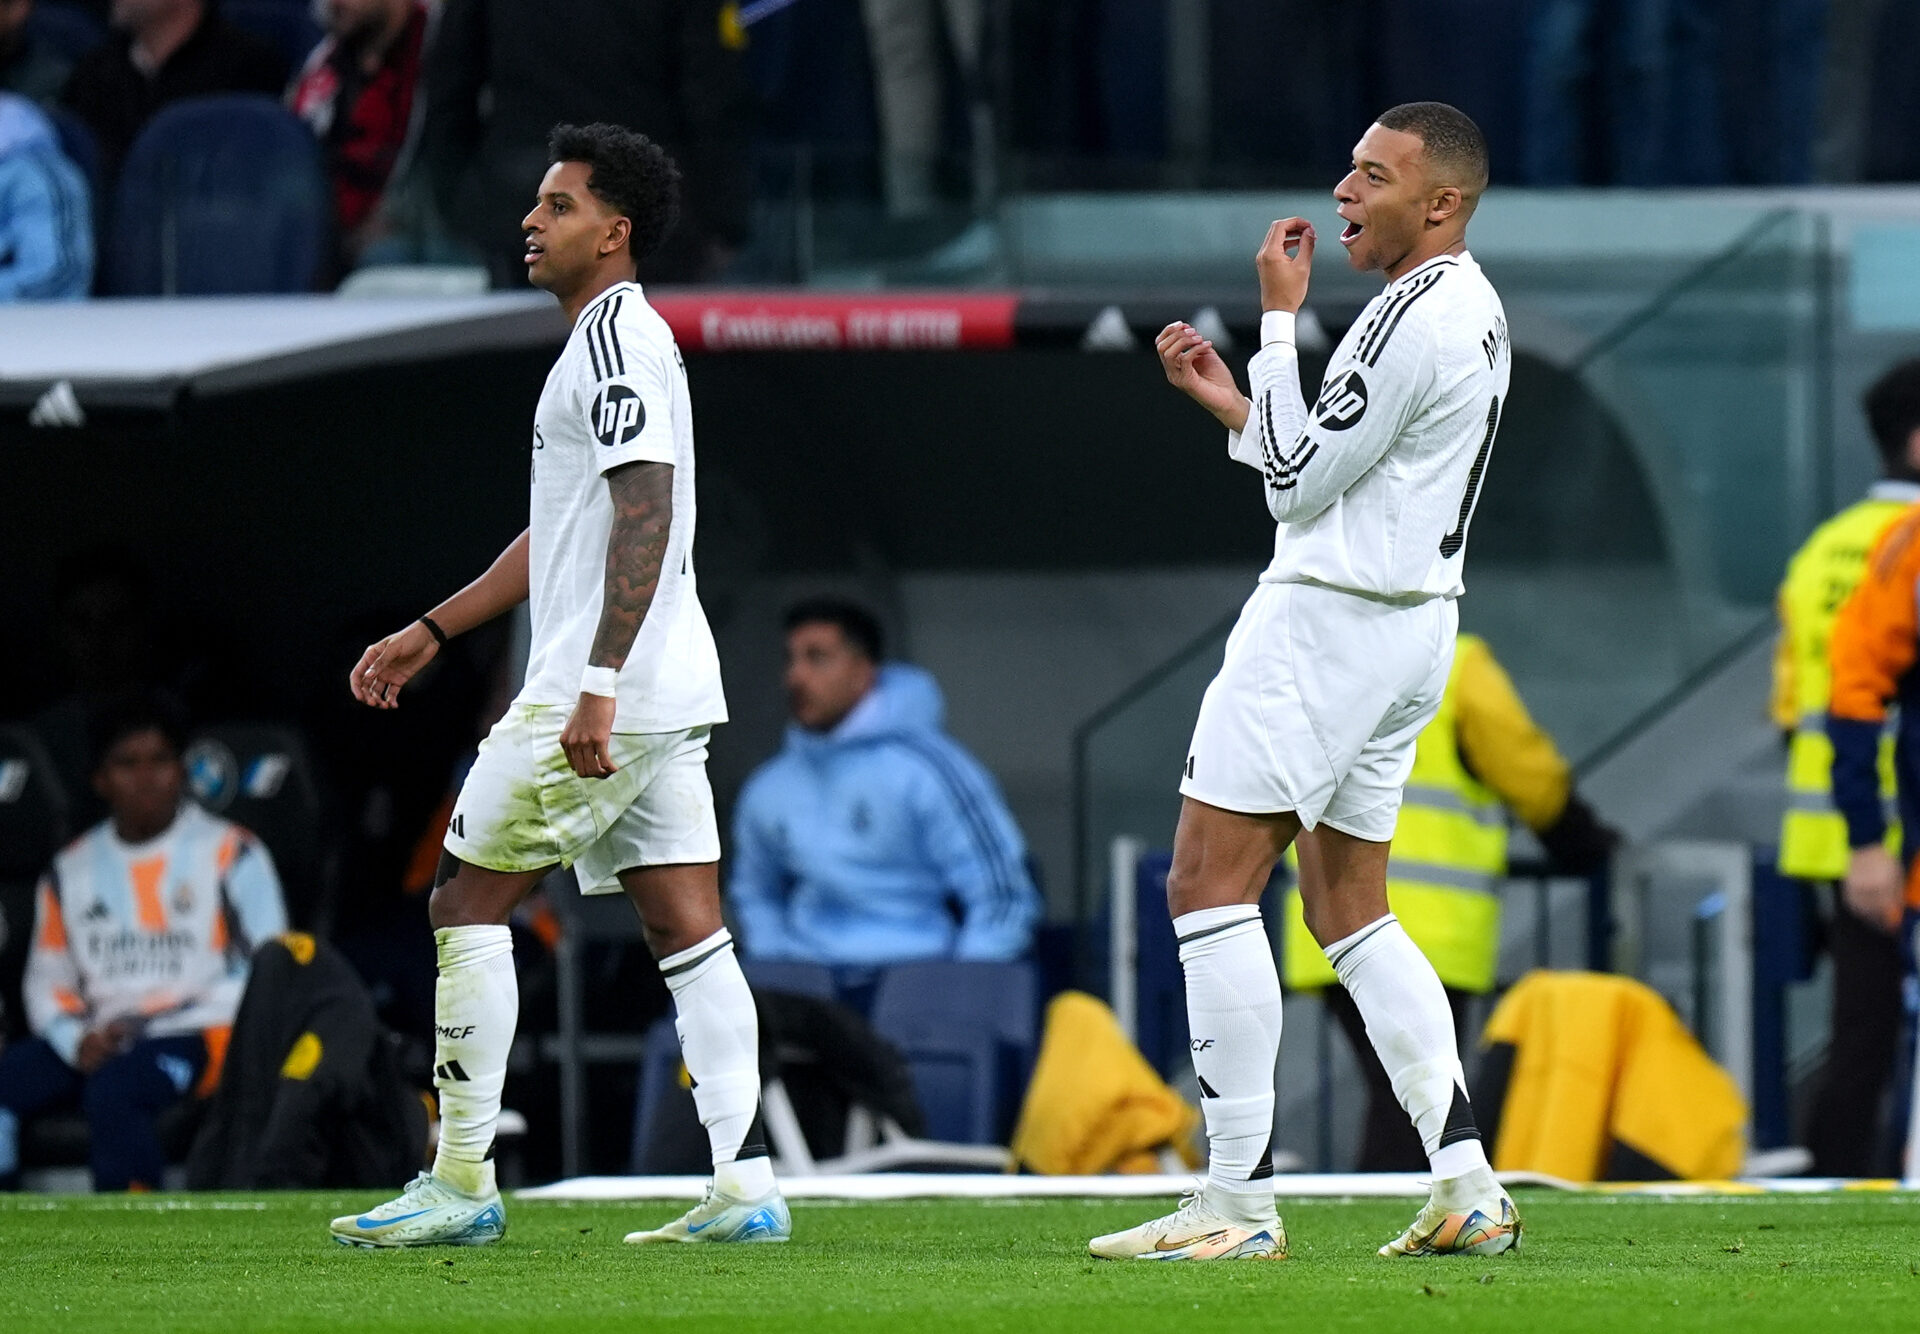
1444 205
616 238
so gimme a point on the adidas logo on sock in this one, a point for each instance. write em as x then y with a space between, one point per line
451 1072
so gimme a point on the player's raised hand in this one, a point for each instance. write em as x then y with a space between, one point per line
1196 370
1283 277
388 665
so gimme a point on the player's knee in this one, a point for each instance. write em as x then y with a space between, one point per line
456 902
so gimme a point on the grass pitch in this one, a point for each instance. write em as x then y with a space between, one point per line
1845 1263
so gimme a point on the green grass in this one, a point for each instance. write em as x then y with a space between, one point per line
1840 1264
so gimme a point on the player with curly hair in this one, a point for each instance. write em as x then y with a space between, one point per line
600 763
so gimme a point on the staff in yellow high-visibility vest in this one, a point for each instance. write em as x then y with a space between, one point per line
1481 757
1845 1124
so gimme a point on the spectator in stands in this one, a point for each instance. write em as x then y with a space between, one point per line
142 934
162 51
28 66
46 222
1620 117
1847 652
357 93
1481 757
501 73
904 37
872 837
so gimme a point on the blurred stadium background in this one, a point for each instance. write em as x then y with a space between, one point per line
925 382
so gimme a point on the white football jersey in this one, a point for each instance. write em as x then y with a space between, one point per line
1375 484
618 394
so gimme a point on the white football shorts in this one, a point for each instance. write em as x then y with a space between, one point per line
522 808
1318 705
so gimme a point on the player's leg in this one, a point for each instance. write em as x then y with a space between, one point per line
1221 863
664 851
719 1030
123 1101
33 1081
1409 1021
476 1008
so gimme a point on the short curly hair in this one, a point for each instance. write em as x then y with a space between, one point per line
1453 142
628 172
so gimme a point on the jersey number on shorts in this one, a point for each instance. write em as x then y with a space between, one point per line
1450 544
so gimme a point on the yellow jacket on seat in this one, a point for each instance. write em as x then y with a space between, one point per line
1095 1105
1608 1084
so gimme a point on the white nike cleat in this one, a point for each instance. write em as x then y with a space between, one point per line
720 1217
428 1212
1195 1231
1465 1216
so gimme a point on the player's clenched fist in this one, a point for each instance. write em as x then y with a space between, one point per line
1196 370
1283 277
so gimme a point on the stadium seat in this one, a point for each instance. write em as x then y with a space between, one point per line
66 29
33 825
289 26
259 775
219 195
803 979
968 1031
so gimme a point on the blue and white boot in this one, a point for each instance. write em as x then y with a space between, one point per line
720 1217
429 1212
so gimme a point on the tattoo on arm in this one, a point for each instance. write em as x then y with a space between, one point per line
636 549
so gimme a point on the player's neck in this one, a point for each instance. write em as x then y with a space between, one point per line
591 290
1429 248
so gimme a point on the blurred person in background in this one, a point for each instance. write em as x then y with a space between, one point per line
501 73
872 837
160 52
46 218
142 935
356 92
1866 595
28 66
1481 757
911 92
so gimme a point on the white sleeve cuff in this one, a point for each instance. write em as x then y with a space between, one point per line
1276 326
602 681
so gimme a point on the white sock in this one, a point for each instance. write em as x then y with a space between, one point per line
720 1042
476 1005
1233 1016
1411 1027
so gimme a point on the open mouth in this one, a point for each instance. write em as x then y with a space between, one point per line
534 251
1351 233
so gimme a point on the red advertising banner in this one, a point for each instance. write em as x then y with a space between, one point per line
722 321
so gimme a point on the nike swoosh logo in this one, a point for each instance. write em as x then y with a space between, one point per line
702 1227
368 1220
1161 1245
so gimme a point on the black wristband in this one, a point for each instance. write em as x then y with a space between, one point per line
439 635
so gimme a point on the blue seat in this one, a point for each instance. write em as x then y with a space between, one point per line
969 1032
287 24
219 195
802 979
67 30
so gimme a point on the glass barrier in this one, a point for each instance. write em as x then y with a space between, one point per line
1650 481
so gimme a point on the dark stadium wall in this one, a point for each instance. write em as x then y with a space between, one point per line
1041 527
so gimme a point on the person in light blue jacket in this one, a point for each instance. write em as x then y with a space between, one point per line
873 838
46 226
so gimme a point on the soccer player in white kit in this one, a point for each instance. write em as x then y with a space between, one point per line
1338 660
600 763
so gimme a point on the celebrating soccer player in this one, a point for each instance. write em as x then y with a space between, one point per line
1339 658
601 761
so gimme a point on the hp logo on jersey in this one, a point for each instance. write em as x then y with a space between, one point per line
1342 402
618 415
